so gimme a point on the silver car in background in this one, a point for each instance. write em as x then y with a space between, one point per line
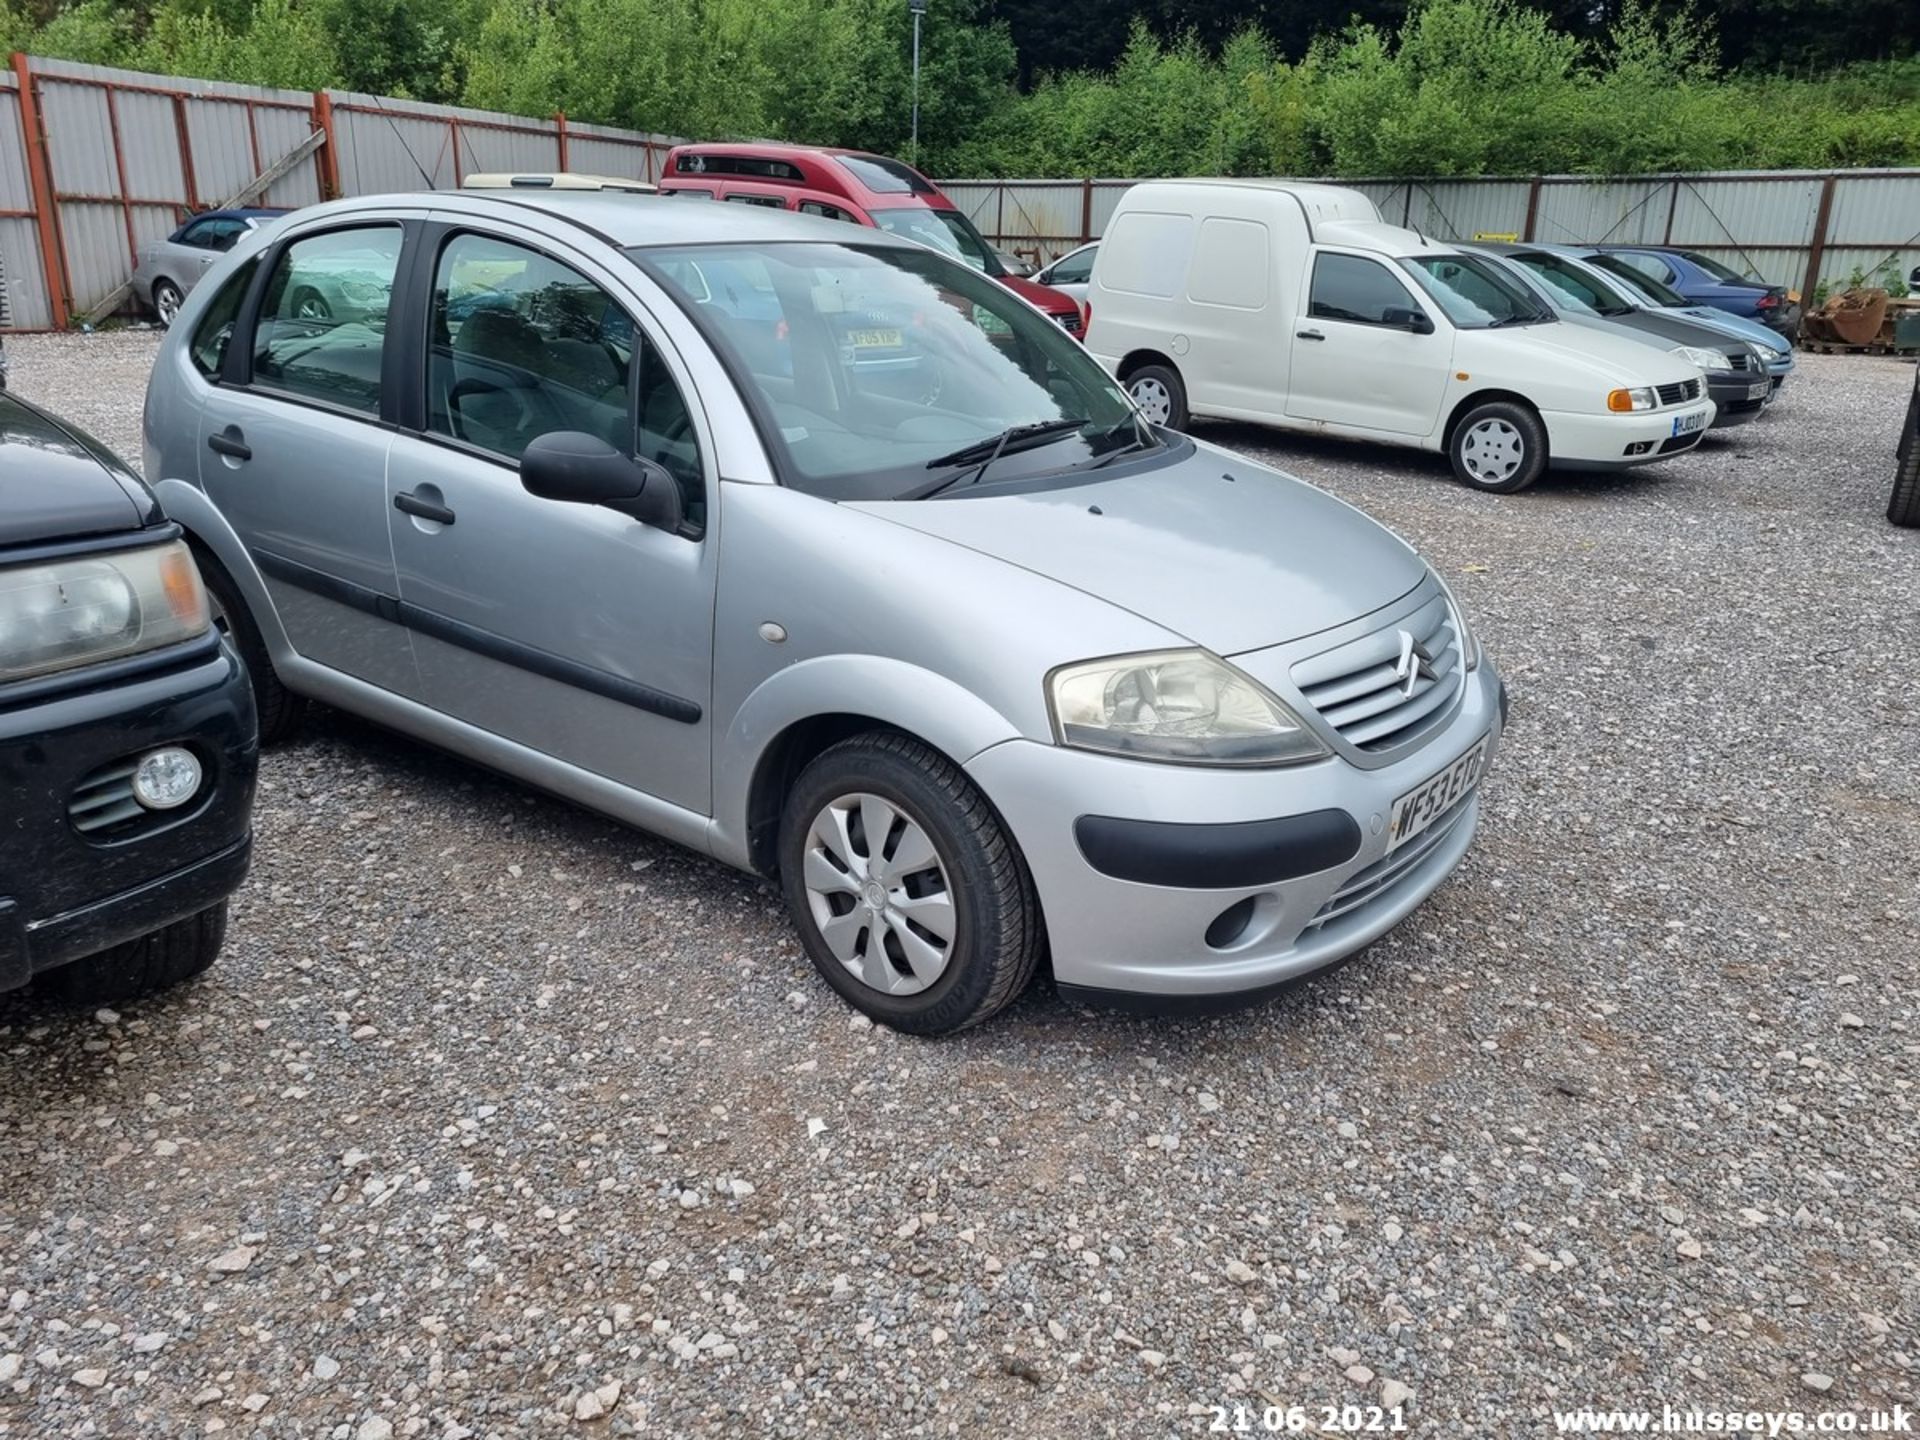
818 552
166 271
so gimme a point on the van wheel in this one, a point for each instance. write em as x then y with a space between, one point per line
168 956
278 708
1499 447
1157 390
910 897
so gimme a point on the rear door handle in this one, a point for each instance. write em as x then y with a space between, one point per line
1309 335
413 504
231 443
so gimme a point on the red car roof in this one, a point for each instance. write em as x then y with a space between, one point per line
854 175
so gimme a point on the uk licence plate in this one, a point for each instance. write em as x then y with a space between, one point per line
1420 807
1760 391
1687 424
874 339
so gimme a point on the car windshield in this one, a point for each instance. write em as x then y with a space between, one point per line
947 231
1577 287
1719 272
1473 293
875 369
1655 292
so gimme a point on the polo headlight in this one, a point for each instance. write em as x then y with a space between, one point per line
1623 402
1705 359
1181 706
57 614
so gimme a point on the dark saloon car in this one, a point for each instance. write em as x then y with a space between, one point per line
1706 281
127 735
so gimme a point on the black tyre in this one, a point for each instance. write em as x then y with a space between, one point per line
153 962
1499 447
1162 398
310 304
279 708
1904 507
166 301
908 893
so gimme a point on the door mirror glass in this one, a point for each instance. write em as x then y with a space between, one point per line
1407 318
581 469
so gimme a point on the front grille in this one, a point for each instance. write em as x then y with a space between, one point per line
103 805
1378 880
1741 360
1681 393
1381 692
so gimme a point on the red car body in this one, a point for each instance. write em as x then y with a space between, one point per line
854 186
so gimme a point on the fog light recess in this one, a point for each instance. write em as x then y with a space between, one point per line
167 778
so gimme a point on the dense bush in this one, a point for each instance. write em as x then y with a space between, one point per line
1460 87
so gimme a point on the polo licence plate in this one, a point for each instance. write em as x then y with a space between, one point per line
1687 424
1420 807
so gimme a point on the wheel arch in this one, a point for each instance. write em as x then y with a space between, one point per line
211 538
1483 397
1139 359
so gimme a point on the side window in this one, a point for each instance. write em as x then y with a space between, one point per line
523 345
1351 287
196 234
772 202
1076 269
824 210
324 317
210 337
222 234
1648 265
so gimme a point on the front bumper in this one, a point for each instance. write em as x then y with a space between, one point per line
1294 846
1580 441
1734 404
65 894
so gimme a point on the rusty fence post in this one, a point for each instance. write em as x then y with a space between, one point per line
328 157
1817 252
53 265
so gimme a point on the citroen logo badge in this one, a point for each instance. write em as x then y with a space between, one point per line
1413 665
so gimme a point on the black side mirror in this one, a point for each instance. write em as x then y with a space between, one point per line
1407 318
581 469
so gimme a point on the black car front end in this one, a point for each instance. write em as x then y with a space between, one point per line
1739 394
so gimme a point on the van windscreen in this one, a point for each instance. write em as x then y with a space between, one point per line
886 177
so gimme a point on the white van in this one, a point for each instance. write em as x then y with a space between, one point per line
1293 305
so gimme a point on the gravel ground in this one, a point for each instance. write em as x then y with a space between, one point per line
495 1116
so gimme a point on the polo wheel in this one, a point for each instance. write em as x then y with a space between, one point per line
1499 447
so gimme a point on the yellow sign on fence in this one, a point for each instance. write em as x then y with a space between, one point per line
1508 236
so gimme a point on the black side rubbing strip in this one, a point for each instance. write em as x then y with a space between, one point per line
1218 857
481 642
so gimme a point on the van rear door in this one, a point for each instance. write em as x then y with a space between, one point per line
1366 353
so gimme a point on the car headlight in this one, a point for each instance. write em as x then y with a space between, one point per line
61 613
1469 642
1623 401
364 292
1705 359
1183 706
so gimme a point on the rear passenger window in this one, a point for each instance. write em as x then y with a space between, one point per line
523 345
210 336
324 317
772 202
824 210
1649 265
1351 287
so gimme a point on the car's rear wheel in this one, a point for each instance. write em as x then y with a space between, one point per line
166 301
1162 398
911 899
310 304
1498 447
278 708
1904 507
167 957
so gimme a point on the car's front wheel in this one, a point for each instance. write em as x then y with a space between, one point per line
166 301
910 897
167 957
1499 447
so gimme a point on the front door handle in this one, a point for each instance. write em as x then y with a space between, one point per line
230 443
1309 335
426 509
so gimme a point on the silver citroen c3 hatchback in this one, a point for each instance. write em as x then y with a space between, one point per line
816 551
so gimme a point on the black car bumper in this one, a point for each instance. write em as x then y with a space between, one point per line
1732 404
65 894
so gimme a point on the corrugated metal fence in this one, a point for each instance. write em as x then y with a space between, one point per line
1791 227
96 162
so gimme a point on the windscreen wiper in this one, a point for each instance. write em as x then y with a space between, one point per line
1013 438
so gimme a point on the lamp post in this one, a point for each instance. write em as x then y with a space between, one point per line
918 8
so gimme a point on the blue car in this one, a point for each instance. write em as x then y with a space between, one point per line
1706 281
1777 348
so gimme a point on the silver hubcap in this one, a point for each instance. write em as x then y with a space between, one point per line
1492 451
166 304
311 307
1152 398
878 891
